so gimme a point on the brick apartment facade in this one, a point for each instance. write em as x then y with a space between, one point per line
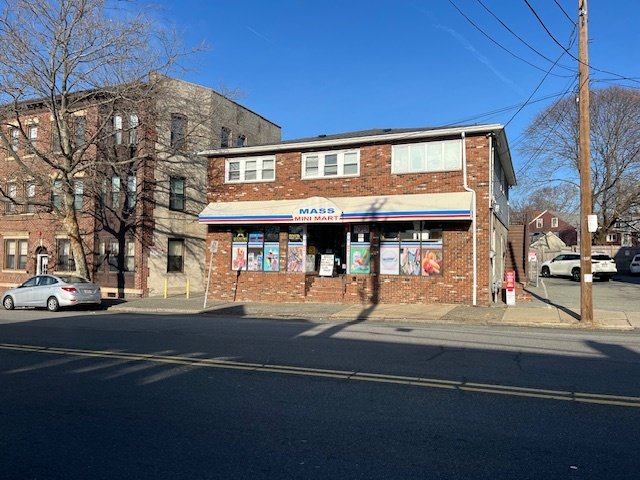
380 216
152 241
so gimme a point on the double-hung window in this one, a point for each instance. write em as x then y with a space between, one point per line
32 131
65 256
433 156
175 255
253 169
30 195
12 193
176 194
117 129
78 192
178 131
15 256
14 135
345 163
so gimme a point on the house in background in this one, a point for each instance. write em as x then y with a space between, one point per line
377 216
137 211
562 225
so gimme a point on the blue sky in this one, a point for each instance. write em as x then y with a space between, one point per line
340 66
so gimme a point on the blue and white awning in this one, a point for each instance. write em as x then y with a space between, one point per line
427 206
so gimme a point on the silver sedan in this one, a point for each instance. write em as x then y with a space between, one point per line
53 292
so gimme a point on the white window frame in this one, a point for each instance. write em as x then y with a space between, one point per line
32 132
325 169
554 222
539 223
422 157
18 250
242 169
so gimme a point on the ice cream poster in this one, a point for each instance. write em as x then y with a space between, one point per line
360 260
239 256
271 258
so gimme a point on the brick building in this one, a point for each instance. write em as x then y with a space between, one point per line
379 216
137 204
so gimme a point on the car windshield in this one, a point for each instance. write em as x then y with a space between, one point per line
73 279
601 257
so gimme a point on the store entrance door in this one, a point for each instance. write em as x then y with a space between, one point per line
328 239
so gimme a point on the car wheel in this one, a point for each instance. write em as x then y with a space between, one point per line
52 304
575 274
545 272
8 303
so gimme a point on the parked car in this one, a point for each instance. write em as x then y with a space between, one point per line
53 292
634 267
568 265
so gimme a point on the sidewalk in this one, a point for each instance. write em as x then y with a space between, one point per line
524 314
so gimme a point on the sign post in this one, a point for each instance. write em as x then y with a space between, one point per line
511 287
213 248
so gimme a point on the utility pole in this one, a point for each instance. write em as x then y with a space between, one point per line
586 277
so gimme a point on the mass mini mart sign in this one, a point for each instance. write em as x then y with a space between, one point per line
317 210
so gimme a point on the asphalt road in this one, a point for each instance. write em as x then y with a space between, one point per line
103 396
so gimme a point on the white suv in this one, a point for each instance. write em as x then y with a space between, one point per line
568 265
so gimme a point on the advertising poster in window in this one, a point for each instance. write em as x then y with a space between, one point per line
389 258
360 258
410 258
272 257
255 251
432 260
295 258
239 256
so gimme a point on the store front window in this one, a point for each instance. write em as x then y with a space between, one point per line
411 249
256 249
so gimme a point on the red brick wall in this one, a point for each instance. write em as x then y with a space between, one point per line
455 286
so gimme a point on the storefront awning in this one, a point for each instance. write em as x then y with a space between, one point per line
428 206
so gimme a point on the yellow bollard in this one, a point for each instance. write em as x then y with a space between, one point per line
188 287
166 287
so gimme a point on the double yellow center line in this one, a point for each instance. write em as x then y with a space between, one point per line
624 401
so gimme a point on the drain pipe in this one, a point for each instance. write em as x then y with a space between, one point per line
473 220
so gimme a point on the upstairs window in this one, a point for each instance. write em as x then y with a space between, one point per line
554 222
134 122
56 199
176 194
12 193
252 169
539 223
331 164
131 193
117 129
427 157
80 127
178 131
242 140
78 192
32 132
14 135
225 133
30 195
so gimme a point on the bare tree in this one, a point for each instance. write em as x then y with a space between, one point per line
552 146
74 63
563 197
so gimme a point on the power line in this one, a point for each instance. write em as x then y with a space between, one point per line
522 40
498 44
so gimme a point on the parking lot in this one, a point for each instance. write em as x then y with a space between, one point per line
620 294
